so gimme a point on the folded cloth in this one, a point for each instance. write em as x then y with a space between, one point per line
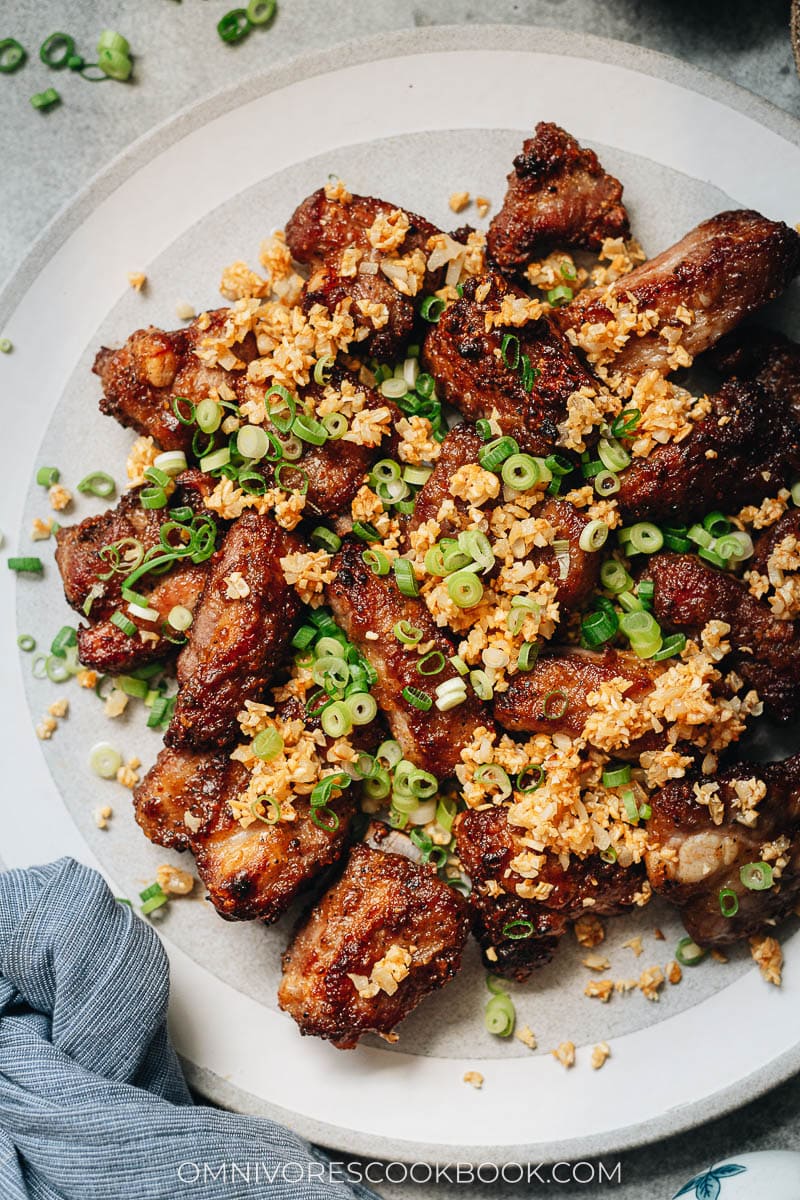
93 1104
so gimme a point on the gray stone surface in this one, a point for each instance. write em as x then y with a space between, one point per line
47 158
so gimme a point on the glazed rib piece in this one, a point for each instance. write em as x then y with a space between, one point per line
692 858
558 196
467 364
461 446
724 269
105 647
387 919
364 603
321 230
487 844
563 679
235 645
141 379
765 650
252 873
744 450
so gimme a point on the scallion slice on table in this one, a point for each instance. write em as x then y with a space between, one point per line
26 643
29 565
153 897
500 1015
12 56
105 760
98 483
45 100
688 953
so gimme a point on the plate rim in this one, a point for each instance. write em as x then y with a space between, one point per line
430 39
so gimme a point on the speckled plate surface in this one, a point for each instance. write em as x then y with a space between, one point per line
411 117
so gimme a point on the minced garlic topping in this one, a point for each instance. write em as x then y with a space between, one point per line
386 974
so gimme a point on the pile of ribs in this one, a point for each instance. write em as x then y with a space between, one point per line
371 891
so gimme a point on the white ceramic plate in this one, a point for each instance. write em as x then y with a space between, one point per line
412 117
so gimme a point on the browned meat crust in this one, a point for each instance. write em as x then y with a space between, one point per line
468 367
253 873
569 675
487 844
727 267
558 196
381 901
461 446
140 379
692 859
363 603
320 230
235 645
745 449
105 647
765 650
788 526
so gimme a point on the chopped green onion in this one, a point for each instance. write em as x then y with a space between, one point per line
593 536
323 368
631 807
133 687
393 389
688 953
500 1015
646 591
735 546
12 56
459 665
171 462
287 401
318 816
104 760
628 601
45 100
417 698
520 472
26 642
65 638
417 476
404 577
625 423
47 476
643 632
465 589
288 486
481 685
757 876
57 669
425 386
728 903
366 531
261 12
612 454
606 483
598 628
670 646
712 557
406 633
389 752
153 897
795 490
700 536
645 812
537 775
431 309
56 50
484 430
29 565
121 621
616 777
252 442
645 538
492 775
614 577
560 295
509 348
528 654
496 452
386 470
675 538
477 547
717 524
234 26
267 744
432 663
98 483
555 705
362 707
450 694
377 562
325 539
114 64
518 930
308 429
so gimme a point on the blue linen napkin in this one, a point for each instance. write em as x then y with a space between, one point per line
93 1104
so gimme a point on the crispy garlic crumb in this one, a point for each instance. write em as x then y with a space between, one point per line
46 728
116 703
491 954
128 775
589 931
41 530
600 1054
60 497
185 311
674 972
718 956
237 587
458 201
59 708
527 1037
483 204
658 935
650 982
87 678
596 962
174 880
137 280
102 816
565 1054
474 1079
767 953
335 190
386 974
599 989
